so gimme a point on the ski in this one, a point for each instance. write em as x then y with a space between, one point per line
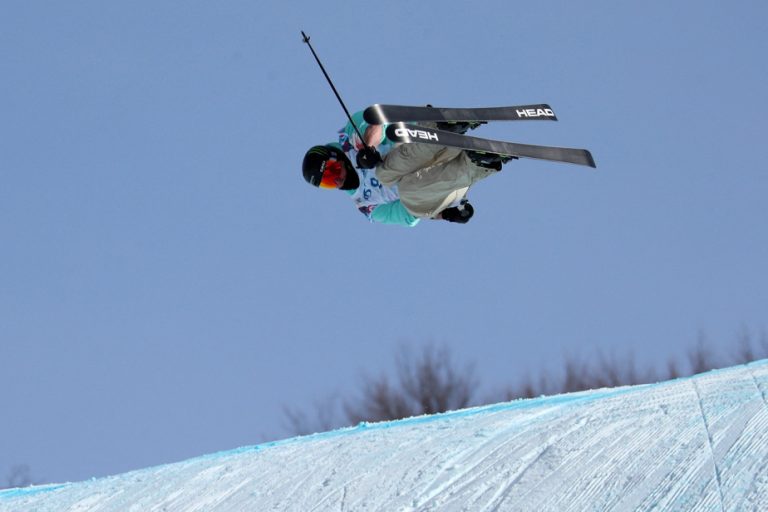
402 132
383 114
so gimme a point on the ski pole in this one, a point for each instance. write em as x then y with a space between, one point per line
305 38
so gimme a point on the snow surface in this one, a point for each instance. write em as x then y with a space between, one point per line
699 443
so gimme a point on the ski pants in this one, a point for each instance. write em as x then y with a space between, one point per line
429 178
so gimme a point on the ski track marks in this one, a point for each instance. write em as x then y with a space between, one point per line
699 443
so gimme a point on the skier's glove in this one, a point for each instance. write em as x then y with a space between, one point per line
456 214
368 157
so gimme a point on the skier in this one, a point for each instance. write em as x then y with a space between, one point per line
400 183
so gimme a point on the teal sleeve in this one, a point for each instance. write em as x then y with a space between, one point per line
393 213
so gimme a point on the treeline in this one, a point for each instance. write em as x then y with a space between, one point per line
429 381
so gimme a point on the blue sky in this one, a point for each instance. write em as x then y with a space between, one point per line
168 282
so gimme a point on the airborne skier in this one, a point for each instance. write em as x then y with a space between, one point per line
400 183
406 172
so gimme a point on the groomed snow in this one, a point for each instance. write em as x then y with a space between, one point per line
698 443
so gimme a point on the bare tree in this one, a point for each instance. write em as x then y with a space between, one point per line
701 358
427 383
745 351
18 476
673 371
749 350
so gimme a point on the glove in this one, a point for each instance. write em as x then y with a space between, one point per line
368 157
461 216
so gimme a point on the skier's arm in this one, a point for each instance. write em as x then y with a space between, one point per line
374 135
393 213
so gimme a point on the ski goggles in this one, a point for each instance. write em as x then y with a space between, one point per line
332 172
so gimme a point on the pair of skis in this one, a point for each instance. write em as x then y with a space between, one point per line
399 117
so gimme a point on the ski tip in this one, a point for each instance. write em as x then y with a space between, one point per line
374 115
590 160
551 116
396 132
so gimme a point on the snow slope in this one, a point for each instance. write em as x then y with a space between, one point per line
699 443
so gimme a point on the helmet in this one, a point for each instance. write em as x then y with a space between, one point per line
313 166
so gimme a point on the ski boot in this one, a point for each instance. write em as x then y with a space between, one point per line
489 160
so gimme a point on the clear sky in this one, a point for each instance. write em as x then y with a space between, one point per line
168 282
